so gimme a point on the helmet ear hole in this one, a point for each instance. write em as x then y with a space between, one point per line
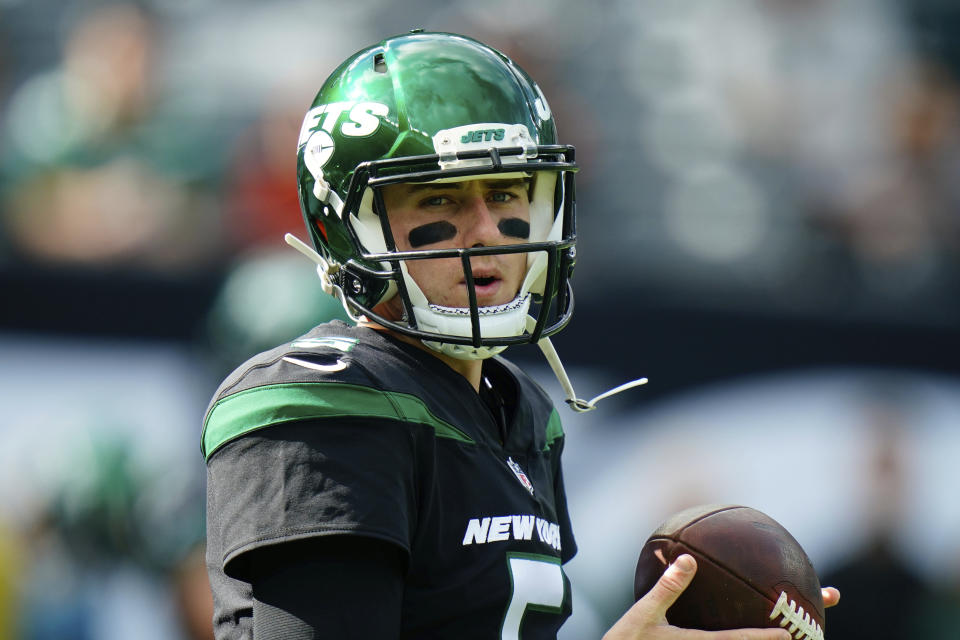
379 63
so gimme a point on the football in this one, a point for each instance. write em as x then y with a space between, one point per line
751 573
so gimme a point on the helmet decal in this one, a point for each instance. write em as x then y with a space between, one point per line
482 136
543 109
363 119
317 152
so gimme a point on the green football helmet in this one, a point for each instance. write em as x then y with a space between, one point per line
435 107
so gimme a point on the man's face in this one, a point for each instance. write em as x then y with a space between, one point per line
474 213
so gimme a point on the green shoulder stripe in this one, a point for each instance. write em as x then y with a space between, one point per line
554 428
255 408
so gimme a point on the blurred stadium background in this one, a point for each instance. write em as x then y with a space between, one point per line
770 230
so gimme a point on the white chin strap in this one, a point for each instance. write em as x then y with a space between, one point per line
495 322
575 403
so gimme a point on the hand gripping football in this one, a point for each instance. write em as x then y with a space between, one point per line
751 573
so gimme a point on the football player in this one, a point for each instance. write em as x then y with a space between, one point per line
396 478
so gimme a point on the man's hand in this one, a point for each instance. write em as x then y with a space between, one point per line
647 619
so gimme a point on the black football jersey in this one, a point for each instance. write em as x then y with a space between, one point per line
347 431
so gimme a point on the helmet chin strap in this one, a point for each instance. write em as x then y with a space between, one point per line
325 269
577 404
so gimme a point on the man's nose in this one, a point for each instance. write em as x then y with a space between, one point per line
482 228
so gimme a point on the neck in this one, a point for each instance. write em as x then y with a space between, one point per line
469 369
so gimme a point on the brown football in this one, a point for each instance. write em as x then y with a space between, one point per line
751 573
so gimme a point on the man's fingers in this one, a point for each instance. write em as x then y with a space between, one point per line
831 596
746 634
671 584
650 611
733 634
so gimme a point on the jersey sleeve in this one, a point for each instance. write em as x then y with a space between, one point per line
308 478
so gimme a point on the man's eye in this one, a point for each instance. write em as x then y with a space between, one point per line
502 196
434 201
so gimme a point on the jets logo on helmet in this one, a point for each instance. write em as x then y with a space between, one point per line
363 118
318 145
318 150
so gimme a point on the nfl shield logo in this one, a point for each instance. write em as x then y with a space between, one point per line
521 476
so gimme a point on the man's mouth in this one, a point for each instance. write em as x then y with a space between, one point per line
488 286
484 280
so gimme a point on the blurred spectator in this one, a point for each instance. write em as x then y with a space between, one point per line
899 216
810 155
870 133
94 170
883 592
102 483
113 554
260 188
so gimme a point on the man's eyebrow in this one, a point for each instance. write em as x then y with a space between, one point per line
417 187
506 184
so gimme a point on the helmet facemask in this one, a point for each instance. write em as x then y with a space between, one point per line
475 331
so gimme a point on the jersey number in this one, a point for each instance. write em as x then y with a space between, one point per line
537 584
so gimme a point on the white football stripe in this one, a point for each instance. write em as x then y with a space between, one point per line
340 365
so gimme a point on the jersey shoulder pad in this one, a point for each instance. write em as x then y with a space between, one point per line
324 374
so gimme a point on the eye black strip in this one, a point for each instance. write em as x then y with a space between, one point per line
431 233
515 228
